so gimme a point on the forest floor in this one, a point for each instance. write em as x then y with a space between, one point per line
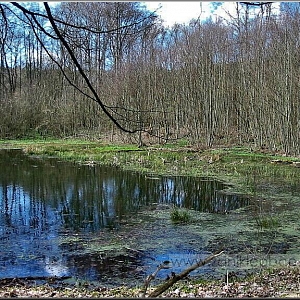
279 283
243 167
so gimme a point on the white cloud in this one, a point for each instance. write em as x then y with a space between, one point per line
184 11
55 268
176 12
228 9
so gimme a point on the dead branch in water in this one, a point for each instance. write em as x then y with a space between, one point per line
163 265
176 277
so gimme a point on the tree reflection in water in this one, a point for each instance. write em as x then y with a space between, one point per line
42 198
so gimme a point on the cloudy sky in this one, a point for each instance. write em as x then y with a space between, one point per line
183 11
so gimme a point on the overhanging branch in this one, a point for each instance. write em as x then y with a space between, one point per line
80 69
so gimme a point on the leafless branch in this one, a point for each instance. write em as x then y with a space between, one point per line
176 277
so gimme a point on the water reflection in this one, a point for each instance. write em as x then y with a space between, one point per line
38 194
41 199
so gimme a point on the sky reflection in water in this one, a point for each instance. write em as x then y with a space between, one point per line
41 200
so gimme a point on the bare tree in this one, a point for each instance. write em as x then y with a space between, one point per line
58 34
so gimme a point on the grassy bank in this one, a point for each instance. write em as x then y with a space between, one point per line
246 169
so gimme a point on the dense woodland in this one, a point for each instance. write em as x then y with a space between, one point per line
211 82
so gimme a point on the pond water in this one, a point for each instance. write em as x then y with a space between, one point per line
51 211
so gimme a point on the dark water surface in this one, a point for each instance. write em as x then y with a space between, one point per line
42 200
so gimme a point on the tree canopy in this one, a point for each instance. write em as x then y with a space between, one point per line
111 68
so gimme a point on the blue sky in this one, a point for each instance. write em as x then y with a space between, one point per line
183 11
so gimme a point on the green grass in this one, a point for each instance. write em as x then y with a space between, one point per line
180 215
240 166
267 222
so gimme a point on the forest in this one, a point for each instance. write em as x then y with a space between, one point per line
112 70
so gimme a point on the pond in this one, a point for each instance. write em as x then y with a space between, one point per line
101 223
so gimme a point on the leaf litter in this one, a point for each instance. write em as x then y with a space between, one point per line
281 282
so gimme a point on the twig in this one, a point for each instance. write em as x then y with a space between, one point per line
163 265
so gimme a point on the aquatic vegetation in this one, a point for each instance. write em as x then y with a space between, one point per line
180 215
267 222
